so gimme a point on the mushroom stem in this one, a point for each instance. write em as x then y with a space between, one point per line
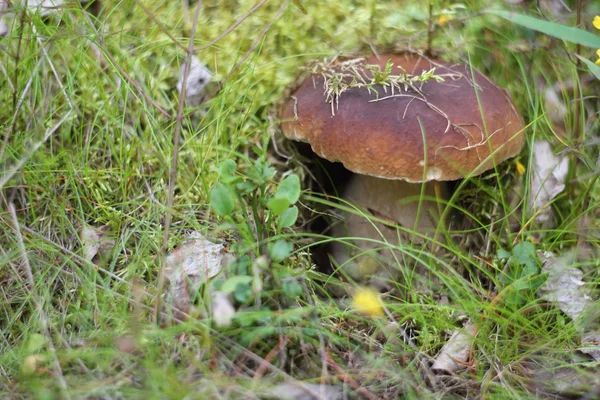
412 206
440 195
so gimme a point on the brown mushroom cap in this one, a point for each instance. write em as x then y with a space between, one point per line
387 138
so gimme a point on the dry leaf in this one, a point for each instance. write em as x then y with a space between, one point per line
4 17
455 354
565 288
305 391
547 180
555 107
96 244
198 77
188 266
590 345
222 309
45 7
560 373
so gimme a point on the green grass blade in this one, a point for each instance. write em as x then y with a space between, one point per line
595 69
553 29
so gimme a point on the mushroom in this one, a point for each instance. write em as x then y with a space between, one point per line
397 141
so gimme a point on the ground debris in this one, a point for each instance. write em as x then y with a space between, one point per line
191 264
547 181
198 78
222 309
455 354
565 288
96 244
562 376
304 391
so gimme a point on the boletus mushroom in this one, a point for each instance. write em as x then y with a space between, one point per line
398 136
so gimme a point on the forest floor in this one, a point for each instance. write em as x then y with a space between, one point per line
152 247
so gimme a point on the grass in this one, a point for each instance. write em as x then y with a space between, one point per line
89 109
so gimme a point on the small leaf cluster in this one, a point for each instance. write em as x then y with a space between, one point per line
521 275
260 211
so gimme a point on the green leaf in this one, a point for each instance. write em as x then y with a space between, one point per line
524 254
227 172
242 292
221 200
515 298
289 188
36 343
227 167
230 285
502 254
594 69
278 205
280 250
553 29
292 288
261 172
289 217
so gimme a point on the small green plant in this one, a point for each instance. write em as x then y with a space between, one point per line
521 275
258 211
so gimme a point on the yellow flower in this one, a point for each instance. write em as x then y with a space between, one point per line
520 168
366 301
596 21
598 54
445 18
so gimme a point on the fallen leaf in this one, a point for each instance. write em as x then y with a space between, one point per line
222 309
557 372
96 244
590 345
564 286
45 7
566 289
305 391
191 264
554 106
455 354
547 180
4 29
198 77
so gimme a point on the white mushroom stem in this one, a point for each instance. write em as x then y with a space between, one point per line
409 205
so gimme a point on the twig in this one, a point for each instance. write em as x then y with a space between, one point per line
262 368
341 375
174 164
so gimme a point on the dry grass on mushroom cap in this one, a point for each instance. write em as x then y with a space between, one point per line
354 73
397 118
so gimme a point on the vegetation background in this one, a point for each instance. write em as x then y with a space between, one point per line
97 142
